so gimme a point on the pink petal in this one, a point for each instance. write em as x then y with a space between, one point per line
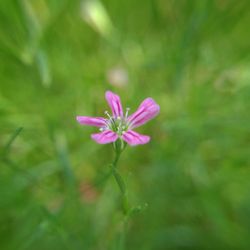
91 121
104 137
146 111
114 103
133 138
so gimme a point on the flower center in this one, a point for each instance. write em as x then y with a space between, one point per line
117 124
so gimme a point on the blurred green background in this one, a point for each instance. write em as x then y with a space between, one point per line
58 57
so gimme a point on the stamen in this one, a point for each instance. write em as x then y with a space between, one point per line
101 129
107 114
111 121
119 129
126 115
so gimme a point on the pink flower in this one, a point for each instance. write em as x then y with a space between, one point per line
119 125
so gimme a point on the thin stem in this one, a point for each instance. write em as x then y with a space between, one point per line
120 182
119 146
116 175
117 156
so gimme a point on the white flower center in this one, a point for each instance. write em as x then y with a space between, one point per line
117 124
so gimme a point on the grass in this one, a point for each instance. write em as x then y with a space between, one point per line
192 181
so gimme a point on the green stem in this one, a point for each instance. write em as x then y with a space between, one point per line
117 156
120 182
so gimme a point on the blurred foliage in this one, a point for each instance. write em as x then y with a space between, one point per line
57 60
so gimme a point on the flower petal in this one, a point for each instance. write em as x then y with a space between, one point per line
133 138
104 137
146 111
91 121
114 103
